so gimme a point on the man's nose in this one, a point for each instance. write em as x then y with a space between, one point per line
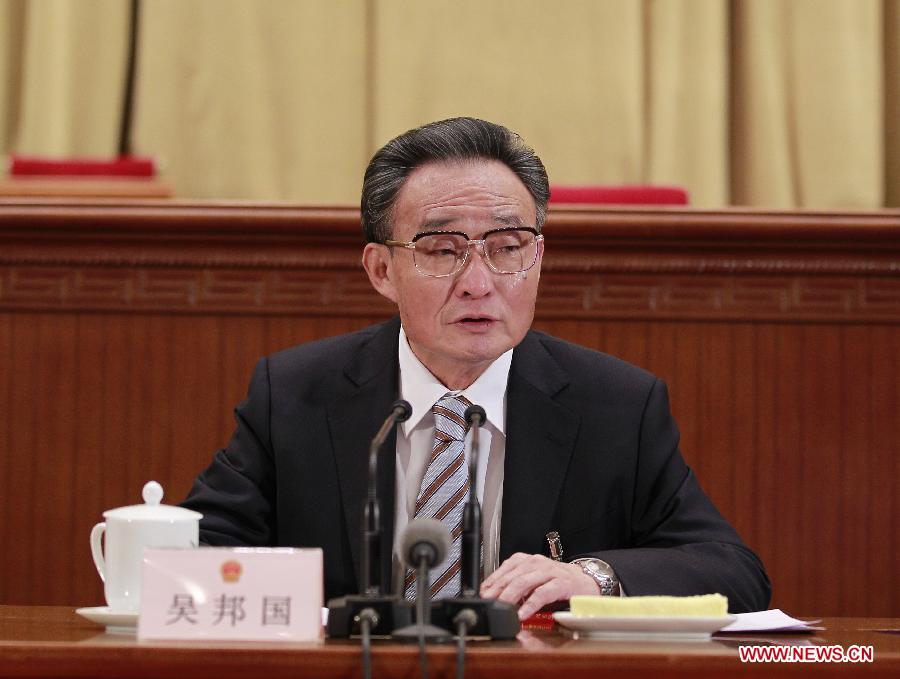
476 278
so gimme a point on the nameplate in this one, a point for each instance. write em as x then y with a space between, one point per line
252 594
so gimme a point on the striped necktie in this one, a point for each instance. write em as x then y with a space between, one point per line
443 493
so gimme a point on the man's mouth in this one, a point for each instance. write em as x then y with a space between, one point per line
475 321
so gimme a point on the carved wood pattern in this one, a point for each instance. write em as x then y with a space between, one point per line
599 265
340 293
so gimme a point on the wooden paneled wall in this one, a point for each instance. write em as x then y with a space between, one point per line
128 332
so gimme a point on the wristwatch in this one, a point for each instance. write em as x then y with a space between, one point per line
603 575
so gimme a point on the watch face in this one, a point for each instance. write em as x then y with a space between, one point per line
600 568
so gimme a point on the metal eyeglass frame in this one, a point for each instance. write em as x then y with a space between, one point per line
478 242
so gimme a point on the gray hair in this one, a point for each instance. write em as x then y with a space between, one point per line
445 140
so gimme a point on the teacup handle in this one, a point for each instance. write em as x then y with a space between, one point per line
97 550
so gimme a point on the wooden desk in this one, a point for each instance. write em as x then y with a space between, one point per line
52 641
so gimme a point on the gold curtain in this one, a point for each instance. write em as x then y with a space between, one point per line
773 103
63 72
255 99
809 103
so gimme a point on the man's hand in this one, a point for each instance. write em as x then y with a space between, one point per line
536 581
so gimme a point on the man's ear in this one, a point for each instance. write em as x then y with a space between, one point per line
378 263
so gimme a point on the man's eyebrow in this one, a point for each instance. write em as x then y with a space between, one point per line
440 224
510 220
435 224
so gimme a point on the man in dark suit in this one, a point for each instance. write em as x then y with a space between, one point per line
577 442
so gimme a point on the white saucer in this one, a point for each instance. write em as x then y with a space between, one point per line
685 628
117 622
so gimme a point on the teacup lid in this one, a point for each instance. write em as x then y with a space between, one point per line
152 510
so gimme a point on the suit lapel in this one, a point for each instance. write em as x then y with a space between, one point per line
353 420
541 434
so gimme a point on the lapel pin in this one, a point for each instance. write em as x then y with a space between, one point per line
556 548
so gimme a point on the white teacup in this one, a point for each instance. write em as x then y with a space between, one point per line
128 531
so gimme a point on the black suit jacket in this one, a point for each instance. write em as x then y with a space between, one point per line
591 452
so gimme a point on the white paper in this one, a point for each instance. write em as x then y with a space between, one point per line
774 620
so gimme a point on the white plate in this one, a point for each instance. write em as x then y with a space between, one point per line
115 621
640 627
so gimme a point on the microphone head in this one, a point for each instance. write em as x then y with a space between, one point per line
429 533
472 411
402 410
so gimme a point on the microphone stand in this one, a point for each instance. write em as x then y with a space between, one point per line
371 611
422 630
468 614
425 544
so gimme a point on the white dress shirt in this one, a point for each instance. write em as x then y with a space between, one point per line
415 439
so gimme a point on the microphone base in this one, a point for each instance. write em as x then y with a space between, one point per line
415 632
496 619
392 611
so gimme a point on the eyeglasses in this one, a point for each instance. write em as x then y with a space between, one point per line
444 253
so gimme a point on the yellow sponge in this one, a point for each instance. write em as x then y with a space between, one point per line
703 606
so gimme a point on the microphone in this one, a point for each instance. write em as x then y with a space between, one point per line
425 541
470 570
371 611
424 545
371 547
468 614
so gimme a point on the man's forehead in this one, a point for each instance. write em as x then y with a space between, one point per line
452 193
